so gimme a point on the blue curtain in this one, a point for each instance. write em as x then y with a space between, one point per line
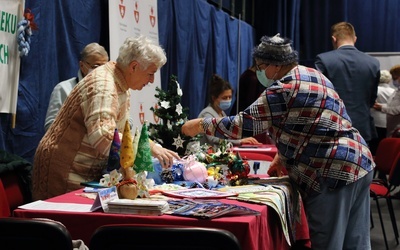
201 40
65 27
376 24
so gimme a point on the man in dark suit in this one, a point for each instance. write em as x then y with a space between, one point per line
355 76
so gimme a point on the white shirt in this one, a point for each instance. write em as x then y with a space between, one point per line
384 92
57 98
392 110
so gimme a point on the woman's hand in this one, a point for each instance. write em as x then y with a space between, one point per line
165 156
276 168
193 127
378 106
250 140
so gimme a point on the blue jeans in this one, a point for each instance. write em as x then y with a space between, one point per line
340 219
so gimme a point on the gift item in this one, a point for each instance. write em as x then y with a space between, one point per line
143 160
156 174
126 155
194 170
127 188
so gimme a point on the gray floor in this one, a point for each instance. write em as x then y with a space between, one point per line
377 240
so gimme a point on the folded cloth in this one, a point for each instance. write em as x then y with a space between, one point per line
79 245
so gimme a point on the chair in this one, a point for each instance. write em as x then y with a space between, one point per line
125 236
15 182
44 234
385 155
387 160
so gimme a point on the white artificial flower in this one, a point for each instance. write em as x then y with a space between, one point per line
178 142
178 109
165 104
169 125
179 90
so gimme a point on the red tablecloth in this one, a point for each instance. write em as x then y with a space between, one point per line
253 232
264 152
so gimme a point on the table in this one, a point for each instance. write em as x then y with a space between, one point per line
262 154
257 152
253 232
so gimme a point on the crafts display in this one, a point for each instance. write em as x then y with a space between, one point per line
126 169
207 169
170 118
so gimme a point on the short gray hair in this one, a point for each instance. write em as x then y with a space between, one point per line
91 49
143 50
386 77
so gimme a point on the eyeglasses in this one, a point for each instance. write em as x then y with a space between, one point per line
258 65
92 66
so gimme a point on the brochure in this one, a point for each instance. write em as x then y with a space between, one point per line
207 209
140 206
198 193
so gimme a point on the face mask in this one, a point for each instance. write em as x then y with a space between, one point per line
224 105
266 82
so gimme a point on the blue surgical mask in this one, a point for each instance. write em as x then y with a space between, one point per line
264 80
225 104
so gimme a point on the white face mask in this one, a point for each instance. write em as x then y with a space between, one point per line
263 79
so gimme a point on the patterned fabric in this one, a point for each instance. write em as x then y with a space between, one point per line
126 153
309 123
143 161
75 148
209 111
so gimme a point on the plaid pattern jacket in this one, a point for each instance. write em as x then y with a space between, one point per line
313 133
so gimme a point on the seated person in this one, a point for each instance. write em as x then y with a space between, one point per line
220 99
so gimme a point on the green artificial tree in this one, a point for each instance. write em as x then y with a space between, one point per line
169 109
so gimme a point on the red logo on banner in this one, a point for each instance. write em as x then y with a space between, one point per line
152 17
156 118
136 12
122 9
141 114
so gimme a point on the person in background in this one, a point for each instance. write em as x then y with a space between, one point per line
325 156
384 92
220 99
392 108
355 76
92 56
75 148
249 90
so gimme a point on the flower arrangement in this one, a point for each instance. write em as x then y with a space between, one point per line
225 166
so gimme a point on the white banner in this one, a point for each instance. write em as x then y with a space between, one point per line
11 12
131 18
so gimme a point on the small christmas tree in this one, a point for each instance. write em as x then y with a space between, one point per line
172 115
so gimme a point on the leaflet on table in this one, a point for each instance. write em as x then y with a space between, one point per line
57 206
197 193
206 209
273 198
243 189
140 206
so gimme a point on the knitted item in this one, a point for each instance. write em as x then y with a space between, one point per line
275 50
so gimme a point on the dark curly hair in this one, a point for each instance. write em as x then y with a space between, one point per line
217 85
